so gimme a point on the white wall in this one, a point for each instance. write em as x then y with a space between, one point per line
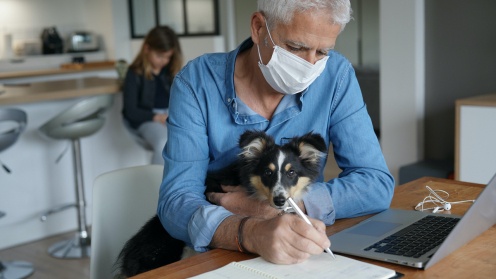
109 19
24 20
402 81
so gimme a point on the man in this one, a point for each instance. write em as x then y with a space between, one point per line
287 81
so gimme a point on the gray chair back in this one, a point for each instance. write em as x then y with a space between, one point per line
15 123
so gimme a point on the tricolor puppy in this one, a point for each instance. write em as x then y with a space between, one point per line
271 171
265 169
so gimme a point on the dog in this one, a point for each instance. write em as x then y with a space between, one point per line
266 170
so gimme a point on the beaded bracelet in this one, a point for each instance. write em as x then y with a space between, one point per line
239 237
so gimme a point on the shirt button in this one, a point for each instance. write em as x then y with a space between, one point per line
228 100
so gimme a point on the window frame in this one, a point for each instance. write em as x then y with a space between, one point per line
186 33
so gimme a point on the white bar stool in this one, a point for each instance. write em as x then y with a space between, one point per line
81 120
13 122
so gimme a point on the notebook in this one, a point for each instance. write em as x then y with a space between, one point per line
366 238
317 266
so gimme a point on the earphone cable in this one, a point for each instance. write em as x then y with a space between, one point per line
440 204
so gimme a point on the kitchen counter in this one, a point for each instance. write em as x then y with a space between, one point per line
58 71
57 90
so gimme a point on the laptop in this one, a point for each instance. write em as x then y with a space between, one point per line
376 237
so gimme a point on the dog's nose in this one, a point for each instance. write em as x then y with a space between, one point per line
279 201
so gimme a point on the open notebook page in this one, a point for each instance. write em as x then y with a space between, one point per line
318 266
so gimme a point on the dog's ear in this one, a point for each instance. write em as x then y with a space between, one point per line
312 147
253 143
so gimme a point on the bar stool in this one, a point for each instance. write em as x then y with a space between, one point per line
81 120
13 122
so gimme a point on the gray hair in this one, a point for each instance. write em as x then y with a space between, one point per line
282 11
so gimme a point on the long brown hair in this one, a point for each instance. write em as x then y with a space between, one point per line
160 38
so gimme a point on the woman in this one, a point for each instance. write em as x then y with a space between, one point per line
147 85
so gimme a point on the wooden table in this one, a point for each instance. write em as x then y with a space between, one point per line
477 259
57 90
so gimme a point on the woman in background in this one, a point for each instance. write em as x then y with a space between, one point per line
147 85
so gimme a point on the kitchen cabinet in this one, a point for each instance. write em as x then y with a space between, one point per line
475 139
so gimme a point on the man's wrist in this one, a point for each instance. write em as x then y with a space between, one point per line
239 237
248 235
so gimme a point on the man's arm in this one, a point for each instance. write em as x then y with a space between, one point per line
284 239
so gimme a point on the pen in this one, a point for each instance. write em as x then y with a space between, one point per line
304 217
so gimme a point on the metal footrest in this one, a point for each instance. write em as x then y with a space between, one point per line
75 248
47 213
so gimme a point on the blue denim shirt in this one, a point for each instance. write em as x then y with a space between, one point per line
205 122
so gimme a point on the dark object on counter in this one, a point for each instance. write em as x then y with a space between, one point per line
52 42
78 59
80 41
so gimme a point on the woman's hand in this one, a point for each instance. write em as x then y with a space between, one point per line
238 201
161 118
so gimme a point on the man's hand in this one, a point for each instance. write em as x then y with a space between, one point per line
237 200
285 239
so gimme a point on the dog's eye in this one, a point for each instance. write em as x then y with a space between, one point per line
291 173
267 172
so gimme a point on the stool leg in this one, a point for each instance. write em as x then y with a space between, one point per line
15 269
79 246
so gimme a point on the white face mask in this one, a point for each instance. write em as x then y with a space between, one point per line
288 73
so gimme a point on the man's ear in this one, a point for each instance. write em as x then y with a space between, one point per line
257 27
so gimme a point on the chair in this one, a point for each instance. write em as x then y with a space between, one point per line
80 120
123 200
13 122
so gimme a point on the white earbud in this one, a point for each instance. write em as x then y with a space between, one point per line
447 206
439 203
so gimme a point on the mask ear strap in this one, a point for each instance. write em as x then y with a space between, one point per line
268 31
259 56
258 48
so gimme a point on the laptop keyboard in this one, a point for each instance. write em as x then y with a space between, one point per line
416 239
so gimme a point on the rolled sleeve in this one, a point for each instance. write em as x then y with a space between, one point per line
203 225
319 204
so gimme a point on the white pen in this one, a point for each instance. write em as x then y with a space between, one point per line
304 217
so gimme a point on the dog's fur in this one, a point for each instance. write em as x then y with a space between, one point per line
265 169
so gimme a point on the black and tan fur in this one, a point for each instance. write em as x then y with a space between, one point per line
267 171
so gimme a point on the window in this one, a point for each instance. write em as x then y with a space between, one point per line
185 17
